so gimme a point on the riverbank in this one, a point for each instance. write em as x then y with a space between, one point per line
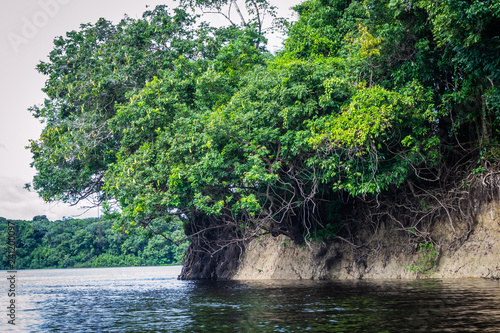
389 253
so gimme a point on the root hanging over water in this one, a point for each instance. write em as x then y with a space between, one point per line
449 198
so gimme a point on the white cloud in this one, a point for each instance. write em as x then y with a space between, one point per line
18 203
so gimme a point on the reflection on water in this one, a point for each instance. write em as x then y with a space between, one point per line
151 299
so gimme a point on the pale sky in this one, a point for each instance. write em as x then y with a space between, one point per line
27 29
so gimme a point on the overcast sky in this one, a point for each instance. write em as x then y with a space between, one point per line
27 29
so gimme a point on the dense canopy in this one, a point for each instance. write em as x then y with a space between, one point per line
90 242
366 100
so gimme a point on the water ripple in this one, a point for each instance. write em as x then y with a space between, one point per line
151 299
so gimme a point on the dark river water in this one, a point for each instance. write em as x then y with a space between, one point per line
151 299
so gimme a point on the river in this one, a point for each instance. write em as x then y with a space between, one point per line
151 299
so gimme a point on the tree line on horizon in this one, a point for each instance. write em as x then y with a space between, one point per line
85 243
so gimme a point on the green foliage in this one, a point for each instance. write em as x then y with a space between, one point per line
89 243
250 13
89 72
40 218
428 259
329 232
206 126
375 139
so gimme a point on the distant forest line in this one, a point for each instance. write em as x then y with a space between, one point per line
90 242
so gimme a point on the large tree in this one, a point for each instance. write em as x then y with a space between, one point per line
373 109
92 70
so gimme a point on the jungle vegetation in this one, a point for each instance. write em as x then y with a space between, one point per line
90 242
374 110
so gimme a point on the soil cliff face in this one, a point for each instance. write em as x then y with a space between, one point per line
390 254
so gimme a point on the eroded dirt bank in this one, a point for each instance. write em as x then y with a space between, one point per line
390 254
